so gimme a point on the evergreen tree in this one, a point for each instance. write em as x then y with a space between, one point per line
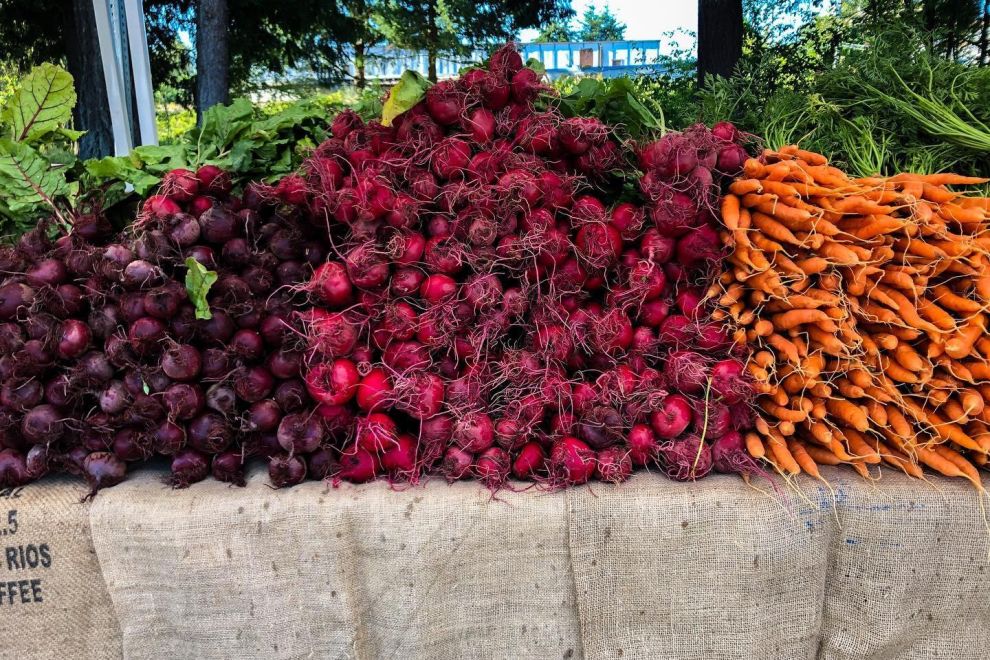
600 26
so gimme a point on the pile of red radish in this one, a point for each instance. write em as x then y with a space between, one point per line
462 293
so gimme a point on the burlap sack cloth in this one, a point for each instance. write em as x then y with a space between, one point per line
53 598
650 569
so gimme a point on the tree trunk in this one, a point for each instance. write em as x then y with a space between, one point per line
985 34
212 55
431 49
720 35
362 14
359 64
431 60
951 40
82 55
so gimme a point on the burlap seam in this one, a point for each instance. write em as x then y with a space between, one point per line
829 561
103 575
570 567
354 613
436 576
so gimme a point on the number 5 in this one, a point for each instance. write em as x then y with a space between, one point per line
12 521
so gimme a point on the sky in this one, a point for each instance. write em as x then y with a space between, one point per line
644 19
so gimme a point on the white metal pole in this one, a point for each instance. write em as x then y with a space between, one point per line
114 80
141 65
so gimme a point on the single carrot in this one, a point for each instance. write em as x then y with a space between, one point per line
784 346
784 413
773 206
848 389
895 371
877 226
754 169
909 313
898 280
861 468
878 294
902 334
826 341
840 450
964 216
972 401
763 328
743 187
838 254
802 301
968 469
818 432
848 413
859 376
798 317
938 462
938 194
899 460
774 229
754 446
812 265
730 212
781 455
780 189
936 315
951 301
908 357
961 344
803 458
859 205
809 157
860 448
954 410
945 179
820 455
947 431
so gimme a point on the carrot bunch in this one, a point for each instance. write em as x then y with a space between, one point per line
865 302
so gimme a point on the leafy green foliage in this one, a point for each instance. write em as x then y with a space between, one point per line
615 101
600 25
893 105
240 137
555 32
35 150
454 27
536 65
29 184
41 104
198 283
406 93
174 122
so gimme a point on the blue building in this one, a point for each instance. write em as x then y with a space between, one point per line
605 58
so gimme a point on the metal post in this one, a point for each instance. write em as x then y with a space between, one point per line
141 63
114 79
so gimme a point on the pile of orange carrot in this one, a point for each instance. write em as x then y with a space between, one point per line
865 302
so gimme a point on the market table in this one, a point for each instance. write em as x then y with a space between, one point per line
714 569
